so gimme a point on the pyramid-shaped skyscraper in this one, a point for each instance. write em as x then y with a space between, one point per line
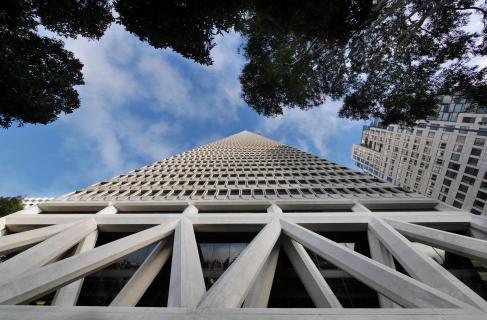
243 228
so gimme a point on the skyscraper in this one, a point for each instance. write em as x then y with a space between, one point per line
244 227
444 158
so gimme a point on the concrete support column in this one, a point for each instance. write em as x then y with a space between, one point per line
29 210
380 254
190 209
68 295
479 223
47 250
53 276
187 284
462 245
396 286
316 286
358 207
18 241
258 297
421 267
274 208
108 210
232 287
3 227
478 234
135 288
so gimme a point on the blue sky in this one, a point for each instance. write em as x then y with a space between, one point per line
140 105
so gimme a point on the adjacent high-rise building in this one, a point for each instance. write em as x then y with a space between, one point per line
444 158
243 228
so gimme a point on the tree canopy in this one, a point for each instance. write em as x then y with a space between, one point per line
386 59
10 205
37 75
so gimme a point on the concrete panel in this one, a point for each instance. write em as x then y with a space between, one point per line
53 276
135 288
68 295
465 246
316 286
398 287
258 297
187 284
46 251
380 254
232 287
421 267
18 241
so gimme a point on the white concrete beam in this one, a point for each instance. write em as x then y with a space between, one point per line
3 227
421 267
396 286
258 297
462 245
380 254
230 290
68 295
187 285
30 210
479 223
316 286
141 313
18 241
48 278
190 209
46 251
108 210
135 288
478 234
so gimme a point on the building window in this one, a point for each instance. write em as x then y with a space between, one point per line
478 204
447 182
482 195
473 161
460 196
454 166
457 204
455 156
468 180
479 142
471 171
451 174
476 152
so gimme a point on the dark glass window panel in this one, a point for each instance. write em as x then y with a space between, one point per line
350 292
101 287
158 292
464 269
219 250
287 289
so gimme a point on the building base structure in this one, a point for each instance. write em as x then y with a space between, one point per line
390 256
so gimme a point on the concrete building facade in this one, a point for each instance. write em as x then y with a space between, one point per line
444 158
243 228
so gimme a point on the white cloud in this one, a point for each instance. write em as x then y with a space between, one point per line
317 128
136 99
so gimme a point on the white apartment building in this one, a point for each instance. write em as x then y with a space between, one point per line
444 158
243 228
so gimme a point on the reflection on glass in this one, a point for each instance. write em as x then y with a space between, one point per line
218 251
101 287
349 291
470 272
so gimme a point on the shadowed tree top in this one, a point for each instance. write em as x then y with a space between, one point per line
10 205
37 75
387 59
